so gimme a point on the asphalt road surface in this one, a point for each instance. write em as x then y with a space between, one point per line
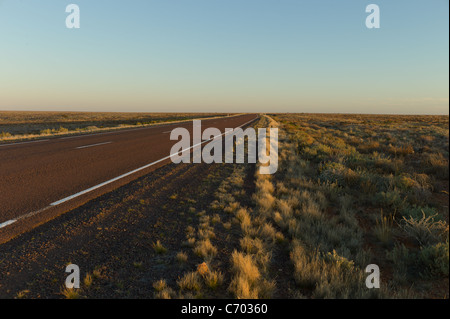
44 178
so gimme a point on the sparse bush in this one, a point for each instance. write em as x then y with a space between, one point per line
307 268
400 150
226 225
245 266
190 281
251 245
425 230
267 233
88 280
159 248
62 130
205 249
206 233
390 199
417 212
403 260
232 207
266 289
242 288
213 279
22 294
215 219
437 165
182 257
160 285
4 135
70 293
337 172
190 242
244 217
383 228
435 260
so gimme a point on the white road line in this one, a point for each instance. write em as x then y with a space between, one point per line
112 180
10 144
9 222
32 213
92 145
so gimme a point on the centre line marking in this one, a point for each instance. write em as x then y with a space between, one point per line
92 145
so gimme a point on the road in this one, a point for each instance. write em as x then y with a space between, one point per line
42 179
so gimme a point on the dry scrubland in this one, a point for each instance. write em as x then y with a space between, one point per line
355 190
16 125
350 191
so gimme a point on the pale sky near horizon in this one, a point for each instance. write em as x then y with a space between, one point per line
225 56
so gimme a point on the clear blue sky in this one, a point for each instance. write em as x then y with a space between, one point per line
225 55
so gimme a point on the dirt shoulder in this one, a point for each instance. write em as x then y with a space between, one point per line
111 237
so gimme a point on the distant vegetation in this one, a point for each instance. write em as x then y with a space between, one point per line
26 125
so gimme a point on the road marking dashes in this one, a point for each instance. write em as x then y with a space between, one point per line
92 145
9 222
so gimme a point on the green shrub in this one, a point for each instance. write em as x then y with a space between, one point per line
435 260
337 172
390 199
405 182
417 212
372 182
403 259
437 164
